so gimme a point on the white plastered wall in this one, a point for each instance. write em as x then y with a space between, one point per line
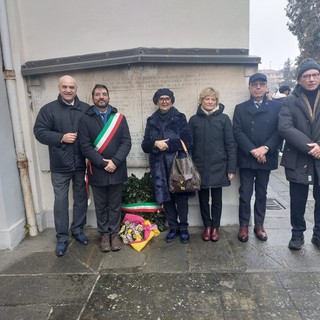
62 28
42 29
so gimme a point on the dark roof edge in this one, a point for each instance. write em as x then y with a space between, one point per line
140 55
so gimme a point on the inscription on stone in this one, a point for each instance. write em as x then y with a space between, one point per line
132 88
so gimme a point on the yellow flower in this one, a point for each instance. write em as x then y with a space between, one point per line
137 237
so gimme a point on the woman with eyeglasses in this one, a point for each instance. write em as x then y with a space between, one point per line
164 129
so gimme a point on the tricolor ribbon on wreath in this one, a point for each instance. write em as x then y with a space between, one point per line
150 207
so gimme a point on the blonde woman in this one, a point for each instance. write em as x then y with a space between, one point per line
214 153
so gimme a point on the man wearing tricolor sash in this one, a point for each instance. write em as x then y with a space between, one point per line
105 141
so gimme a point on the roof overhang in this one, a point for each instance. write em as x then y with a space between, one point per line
140 55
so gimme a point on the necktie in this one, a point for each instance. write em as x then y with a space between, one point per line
103 117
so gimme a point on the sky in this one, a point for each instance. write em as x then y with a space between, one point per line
270 37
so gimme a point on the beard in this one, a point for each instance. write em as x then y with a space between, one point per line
101 104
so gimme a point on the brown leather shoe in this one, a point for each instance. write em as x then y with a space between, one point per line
243 235
105 245
206 234
260 233
214 234
116 243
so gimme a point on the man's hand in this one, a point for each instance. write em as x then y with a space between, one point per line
262 159
230 176
69 137
259 152
315 151
110 167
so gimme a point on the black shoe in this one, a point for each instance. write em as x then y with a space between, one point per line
184 236
316 241
296 243
81 237
61 248
171 236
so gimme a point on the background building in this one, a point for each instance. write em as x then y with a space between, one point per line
134 47
274 78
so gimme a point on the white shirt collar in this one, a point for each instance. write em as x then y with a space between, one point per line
69 104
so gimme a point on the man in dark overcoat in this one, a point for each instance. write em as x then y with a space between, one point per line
255 123
299 125
57 127
106 142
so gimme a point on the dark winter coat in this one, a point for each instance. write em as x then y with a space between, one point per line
255 127
214 150
298 128
173 127
117 150
53 121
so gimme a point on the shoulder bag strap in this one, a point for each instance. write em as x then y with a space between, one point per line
184 147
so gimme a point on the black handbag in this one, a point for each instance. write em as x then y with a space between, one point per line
184 176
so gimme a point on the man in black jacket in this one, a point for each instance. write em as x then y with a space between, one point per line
105 140
299 125
255 125
57 127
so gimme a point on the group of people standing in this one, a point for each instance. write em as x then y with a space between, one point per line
74 131
217 148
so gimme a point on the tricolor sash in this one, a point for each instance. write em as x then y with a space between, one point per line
108 131
103 139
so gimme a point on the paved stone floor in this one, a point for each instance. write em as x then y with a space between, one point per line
200 280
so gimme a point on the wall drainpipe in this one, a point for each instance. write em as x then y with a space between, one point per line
22 161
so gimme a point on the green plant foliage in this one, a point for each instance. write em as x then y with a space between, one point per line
158 218
138 190
288 77
304 16
141 190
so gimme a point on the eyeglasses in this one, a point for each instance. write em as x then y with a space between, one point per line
308 76
258 83
98 94
164 99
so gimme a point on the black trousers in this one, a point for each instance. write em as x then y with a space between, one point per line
213 218
61 184
298 200
107 201
177 209
258 179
